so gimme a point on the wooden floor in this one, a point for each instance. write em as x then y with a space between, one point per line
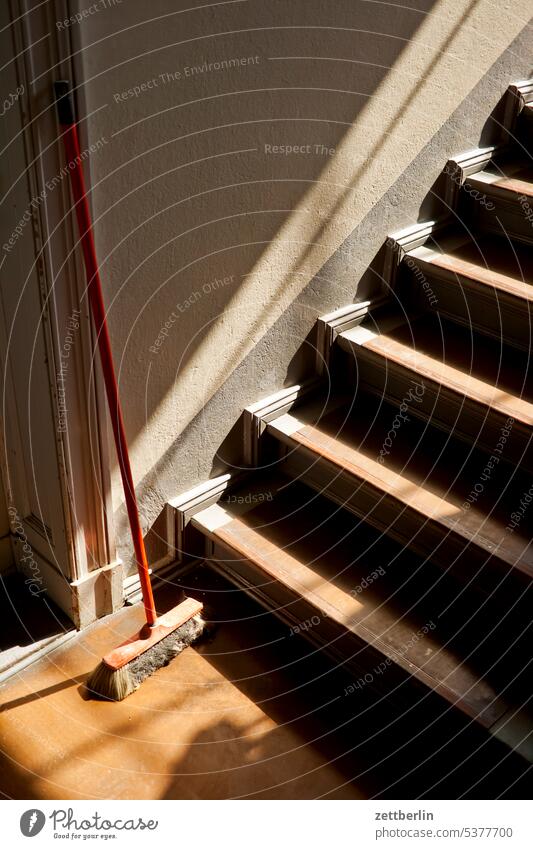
203 727
254 712
29 623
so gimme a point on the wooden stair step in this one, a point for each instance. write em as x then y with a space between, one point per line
491 263
484 283
526 122
422 491
471 384
500 199
448 356
515 178
302 556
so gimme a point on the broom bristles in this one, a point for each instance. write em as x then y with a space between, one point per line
115 684
112 684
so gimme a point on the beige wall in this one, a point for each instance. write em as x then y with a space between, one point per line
209 234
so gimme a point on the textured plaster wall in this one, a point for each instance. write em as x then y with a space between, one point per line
255 156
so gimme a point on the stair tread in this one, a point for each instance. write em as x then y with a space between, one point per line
438 350
488 261
514 177
426 472
320 554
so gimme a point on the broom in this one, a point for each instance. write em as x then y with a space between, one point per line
122 670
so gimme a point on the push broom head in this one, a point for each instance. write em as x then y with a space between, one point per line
124 669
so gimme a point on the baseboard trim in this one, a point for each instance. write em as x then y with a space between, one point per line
332 324
45 649
186 505
258 415
462 166
160 573
398 244
97 594
519 95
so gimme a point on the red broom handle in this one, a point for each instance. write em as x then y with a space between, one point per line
72 150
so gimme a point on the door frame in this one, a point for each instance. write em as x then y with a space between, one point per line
94 586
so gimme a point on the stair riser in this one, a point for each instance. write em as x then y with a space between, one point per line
323 632
342 646
507 217
525 129
476 306
428 539
445 408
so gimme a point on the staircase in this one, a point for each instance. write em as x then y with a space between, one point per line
387 517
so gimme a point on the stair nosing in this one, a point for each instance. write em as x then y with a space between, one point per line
491 185
436 268
424 374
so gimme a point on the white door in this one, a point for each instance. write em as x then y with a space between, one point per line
31 438
53 451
